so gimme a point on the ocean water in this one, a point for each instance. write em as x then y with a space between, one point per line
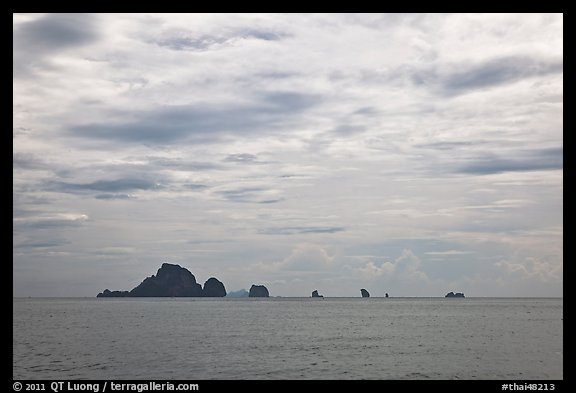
288 338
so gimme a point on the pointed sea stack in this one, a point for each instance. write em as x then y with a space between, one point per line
258 291
364 293
315 293
213 288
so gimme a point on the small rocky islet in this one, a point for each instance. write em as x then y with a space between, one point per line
258 291
452 294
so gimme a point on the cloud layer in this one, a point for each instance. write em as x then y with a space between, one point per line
412 154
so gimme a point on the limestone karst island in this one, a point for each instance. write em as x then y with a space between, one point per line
175 281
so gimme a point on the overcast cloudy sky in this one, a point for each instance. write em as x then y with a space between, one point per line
410 154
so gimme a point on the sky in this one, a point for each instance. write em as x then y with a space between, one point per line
409 154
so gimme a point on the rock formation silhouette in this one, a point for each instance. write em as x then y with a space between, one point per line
258 291
239 293
171 281
213 288
109 293
452 294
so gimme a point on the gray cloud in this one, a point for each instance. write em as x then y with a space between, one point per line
250 195
276 75
118 185
46 243
49 221
180 164
130 175
55 31
185 43
299 230
245 158
286 102
265 35
114 196
195 186
460 78
498 71
186 40
27 161
447 145
347 129
21 198
455 78
34 40
369 111
198 124
268 201
20 131
531 160
241 157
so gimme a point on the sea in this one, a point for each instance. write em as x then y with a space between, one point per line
288 338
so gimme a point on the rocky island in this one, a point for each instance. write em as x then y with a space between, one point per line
213 288
315 293
171 281
452 294
238 294
258 291
109 293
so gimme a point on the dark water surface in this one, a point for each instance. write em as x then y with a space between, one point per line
288 338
